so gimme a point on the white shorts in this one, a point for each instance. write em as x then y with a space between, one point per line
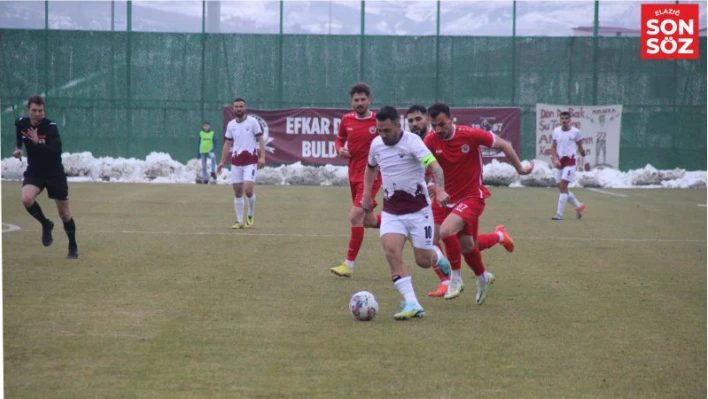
239 174
417 226
567 174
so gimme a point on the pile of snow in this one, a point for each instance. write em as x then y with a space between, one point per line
161 168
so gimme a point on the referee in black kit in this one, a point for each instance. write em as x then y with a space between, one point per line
44 169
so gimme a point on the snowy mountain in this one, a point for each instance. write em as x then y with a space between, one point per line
395 17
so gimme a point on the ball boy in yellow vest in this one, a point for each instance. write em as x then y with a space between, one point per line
207 143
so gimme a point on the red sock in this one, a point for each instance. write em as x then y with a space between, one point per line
440 275
378 221
487 241
453 251
474 260
355 240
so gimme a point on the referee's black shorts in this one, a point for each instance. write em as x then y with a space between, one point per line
56 185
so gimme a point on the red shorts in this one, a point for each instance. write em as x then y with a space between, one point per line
439 212
469 209
357 188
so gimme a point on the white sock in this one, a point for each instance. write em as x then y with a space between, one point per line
251 204
501 236
456 274
404 285
562 199
349 263
438 253
446 283
573 201
238 205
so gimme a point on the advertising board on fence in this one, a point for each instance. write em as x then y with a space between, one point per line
599 126
308 134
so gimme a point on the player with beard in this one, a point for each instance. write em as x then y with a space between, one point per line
419 123
242 134
456 147
356 132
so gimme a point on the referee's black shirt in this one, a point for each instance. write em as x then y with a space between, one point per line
43 158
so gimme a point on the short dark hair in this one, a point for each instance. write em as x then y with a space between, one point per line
438 108
416 108
360 88
35 100
206 123
387 112
565 113
241 99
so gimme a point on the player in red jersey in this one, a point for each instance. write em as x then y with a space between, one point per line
456 148
419 123
356 132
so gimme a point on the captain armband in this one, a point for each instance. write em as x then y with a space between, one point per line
427 160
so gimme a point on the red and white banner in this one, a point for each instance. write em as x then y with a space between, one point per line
308 134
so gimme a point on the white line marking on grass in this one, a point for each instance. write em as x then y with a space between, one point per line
608 193
7 227
702 205
251 234
218 233
618 239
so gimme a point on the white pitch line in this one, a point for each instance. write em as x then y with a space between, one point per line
608 193
251 234
218 233
703 205
7 227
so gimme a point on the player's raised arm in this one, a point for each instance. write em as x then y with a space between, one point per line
508 150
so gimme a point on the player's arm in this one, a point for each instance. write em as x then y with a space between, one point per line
369 176
555 159
433 168
18 139
341 141
425 156
261 154
508 150
582 153
51 143
228 143
581 150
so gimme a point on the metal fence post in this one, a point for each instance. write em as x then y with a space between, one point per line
280 58
513 54
203 55
437 53
361 40
595 51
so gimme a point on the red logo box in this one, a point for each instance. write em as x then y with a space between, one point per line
670 31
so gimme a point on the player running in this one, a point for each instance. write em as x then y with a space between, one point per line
457 150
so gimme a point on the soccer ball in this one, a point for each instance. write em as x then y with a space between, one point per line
363 306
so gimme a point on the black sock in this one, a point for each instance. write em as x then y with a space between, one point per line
36 211
70 228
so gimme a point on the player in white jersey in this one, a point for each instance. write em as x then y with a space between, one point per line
402 158
567 143
242 134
